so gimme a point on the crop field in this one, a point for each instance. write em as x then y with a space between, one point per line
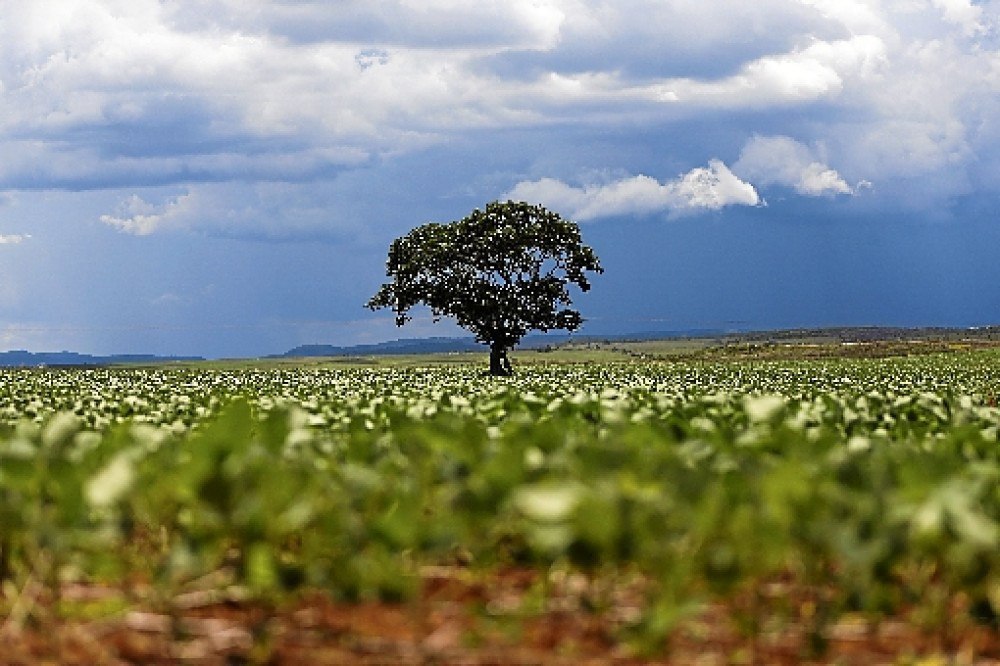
727 511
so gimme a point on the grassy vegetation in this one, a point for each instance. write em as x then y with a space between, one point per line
779 346
593 506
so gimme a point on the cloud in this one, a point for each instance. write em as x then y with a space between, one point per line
780 160
144 94
254 211
427 23
138 217
643 40
963 14
13 239
356 79
704 188
821 70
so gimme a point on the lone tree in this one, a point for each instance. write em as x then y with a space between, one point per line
500 272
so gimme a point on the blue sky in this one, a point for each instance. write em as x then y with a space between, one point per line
223 177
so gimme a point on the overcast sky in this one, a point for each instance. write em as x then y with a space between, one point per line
223 177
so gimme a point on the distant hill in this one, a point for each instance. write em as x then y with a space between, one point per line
855 334
408 346
445 345
841 334
24 359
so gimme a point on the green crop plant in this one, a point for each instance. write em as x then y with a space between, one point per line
791 493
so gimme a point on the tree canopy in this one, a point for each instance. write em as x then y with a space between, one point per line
500 272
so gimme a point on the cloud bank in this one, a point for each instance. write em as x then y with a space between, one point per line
764 161
140 95
705 188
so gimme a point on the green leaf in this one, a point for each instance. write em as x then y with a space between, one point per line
262 572
111 483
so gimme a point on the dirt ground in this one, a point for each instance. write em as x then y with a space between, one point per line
462 618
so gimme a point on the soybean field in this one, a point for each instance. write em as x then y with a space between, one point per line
809 511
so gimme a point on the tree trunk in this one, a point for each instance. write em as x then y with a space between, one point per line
499 363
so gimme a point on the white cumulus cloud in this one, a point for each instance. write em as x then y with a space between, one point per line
704 188
962 13
138 217
820 70
781 160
